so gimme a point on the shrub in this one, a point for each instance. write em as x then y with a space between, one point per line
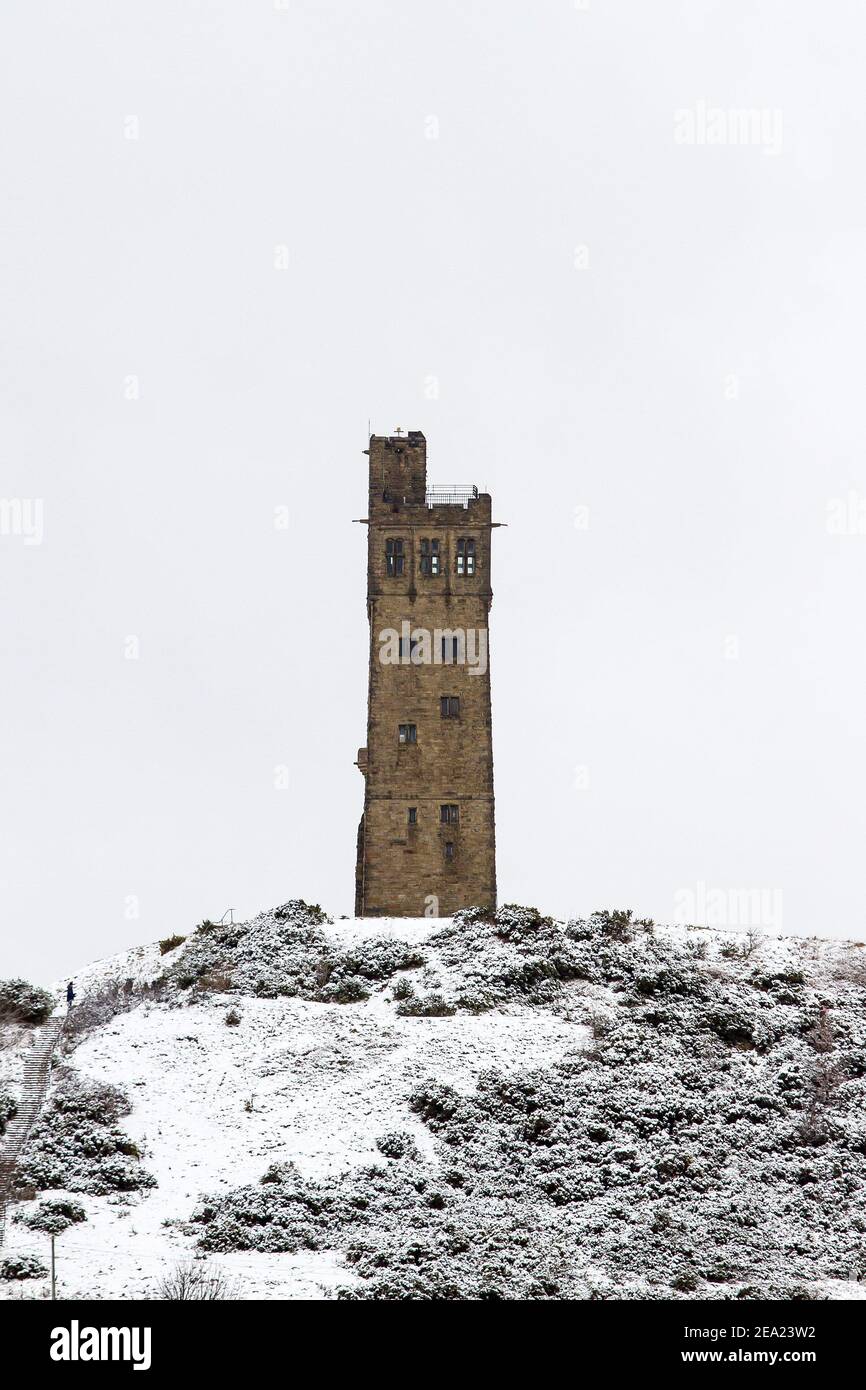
311 911
730 1022
286 953
433 1006
196 1282
403 989
377 958
273 955
22 1267
345 989
517 954
233 1018
169 943
278 1214
8 1108
21 1002
773 979
615 923
76 1144
212 982
397 1144
54 1215
821 1037
344 976
852 968
602 1025
666 971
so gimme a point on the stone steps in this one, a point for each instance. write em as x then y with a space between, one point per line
37 1072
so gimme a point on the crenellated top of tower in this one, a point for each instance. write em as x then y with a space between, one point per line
398 478
398 467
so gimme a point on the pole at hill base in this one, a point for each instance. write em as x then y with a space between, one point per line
53 1285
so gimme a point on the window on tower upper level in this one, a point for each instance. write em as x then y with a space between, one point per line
452 649
407 733
394 558
430 557
449 850
465 555
449 706
413 815
449 815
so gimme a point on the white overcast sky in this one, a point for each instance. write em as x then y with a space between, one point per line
493 235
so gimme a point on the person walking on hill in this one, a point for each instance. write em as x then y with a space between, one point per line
70 995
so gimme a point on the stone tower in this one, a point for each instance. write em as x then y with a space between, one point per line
426 842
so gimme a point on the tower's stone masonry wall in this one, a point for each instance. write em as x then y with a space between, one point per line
406 869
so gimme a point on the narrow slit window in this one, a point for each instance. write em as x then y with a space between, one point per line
407 733
465 555
451 650
449 706
394 558
449 850
413 815
430 557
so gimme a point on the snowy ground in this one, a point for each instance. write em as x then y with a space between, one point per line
215 1105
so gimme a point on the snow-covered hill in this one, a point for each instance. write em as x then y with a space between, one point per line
462 1108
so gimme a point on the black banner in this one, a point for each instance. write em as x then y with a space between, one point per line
84 1339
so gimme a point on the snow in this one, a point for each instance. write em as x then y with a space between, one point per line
316 1083
213 1106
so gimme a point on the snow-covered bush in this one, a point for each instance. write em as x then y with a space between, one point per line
21 1002
274 954
378 957
710 1144
343 989
515 953
8 1107
286 952
397 1143
53 1215
278 1214
433 1005
21 1267
77 1145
